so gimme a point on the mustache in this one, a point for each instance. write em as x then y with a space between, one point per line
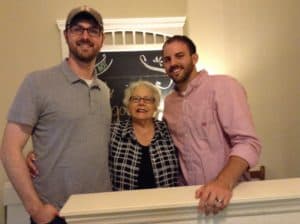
82 41
172 68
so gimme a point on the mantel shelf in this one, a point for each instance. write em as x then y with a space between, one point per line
177 205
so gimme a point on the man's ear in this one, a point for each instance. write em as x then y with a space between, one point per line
195 58
65 34
103 38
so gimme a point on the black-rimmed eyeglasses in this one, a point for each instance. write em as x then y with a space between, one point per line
79 30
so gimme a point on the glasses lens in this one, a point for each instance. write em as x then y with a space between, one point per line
146 99
93 31
79 30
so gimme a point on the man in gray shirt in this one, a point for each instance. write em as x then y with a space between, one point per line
66 111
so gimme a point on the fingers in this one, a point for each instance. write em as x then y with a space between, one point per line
212 198
30 162
219 204
45 214
211 207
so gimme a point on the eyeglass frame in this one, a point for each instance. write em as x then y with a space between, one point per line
80 30
146 99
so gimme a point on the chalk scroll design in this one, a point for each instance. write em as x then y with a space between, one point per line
118 69
118 112
156 60
102 65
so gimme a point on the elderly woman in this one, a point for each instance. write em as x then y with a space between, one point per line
142 153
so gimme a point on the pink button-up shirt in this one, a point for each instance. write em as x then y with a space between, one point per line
209 122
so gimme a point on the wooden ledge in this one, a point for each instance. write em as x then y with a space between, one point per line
169 204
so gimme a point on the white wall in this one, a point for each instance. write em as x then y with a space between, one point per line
257 41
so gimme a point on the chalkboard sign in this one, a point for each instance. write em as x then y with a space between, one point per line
118 69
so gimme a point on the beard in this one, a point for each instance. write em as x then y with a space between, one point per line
185 73
81 55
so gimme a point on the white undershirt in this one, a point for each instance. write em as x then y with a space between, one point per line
88 81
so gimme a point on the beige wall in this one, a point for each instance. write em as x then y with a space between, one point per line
253 40
258 42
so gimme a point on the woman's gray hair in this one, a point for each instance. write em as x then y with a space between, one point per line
132 86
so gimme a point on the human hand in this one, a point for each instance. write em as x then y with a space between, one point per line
45 213
30 162
213 197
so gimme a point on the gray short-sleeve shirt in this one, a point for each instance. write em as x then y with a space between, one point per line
71 124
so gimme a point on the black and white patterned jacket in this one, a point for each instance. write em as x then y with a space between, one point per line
125 156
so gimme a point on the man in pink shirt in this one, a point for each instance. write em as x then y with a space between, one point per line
211 125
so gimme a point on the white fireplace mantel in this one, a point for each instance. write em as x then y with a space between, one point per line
270 201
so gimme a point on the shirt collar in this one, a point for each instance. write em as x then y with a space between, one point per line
73 78
201 77
158 131
128 130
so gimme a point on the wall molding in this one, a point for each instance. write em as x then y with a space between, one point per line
166 26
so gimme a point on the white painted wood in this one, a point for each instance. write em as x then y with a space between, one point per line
16 214
14 210
164 26
272 201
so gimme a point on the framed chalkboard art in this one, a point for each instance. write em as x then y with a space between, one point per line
118 69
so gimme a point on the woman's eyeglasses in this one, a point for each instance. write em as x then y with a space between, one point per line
146 99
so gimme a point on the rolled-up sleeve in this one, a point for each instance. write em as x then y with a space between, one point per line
236 119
